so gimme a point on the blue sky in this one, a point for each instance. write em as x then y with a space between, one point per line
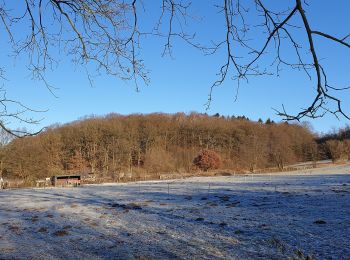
181 83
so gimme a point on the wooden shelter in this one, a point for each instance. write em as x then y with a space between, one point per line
66 180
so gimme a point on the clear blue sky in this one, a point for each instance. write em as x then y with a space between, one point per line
182 84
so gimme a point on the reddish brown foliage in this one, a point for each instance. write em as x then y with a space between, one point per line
207 160
158 143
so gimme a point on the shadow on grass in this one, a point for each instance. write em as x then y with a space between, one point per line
192 218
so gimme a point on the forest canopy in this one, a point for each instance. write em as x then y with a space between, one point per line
156 143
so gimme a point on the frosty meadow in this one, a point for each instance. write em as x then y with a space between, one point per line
299 215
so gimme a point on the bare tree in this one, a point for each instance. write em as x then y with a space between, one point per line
108 34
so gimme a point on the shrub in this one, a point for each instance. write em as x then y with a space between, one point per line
207 160
335 149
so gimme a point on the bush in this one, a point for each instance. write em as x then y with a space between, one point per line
335 149
207 160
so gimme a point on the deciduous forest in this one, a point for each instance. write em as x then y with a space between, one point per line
114 145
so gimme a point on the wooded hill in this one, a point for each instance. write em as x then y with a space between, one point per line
115 144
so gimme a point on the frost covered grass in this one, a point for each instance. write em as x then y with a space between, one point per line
295 215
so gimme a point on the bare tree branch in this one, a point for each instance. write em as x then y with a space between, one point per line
109 33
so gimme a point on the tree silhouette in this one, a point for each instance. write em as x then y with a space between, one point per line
108 35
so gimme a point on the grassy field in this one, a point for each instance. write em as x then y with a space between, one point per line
273 216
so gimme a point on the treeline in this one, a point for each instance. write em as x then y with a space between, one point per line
116 144
336 145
